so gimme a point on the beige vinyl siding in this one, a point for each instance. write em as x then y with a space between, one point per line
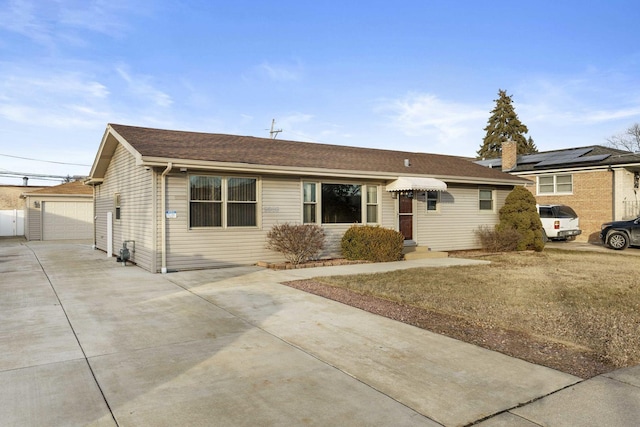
32 222
452 226
388 210
134 184
279 201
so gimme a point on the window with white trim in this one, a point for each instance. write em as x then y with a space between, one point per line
216 201
117 205
432 200
485 199
309 203
372 204
555 184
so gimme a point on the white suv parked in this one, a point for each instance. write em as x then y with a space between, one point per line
559 222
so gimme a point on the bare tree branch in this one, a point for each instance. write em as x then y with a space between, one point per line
629 140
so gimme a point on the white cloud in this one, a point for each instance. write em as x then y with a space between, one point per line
281 72
426 115
141 87
52 100
585 100
51 22
21 17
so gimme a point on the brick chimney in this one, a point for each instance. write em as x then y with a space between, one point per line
509 155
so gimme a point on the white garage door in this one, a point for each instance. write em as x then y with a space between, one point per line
67 220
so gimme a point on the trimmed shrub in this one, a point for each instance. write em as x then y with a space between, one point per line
372 243
519 213
297 242
493 240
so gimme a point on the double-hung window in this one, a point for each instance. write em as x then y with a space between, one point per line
372 204
309 202
241 202
555 184
432 200
485 200
216 201
117 204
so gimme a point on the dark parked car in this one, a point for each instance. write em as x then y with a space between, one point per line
620 234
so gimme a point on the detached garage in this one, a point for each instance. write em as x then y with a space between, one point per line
63 212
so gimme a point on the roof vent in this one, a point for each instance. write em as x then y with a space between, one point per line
407 163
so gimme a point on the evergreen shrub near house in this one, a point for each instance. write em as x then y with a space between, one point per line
519 213
372 243
298 243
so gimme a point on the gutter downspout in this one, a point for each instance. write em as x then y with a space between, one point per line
163 195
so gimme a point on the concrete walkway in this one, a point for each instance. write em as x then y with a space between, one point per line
86 341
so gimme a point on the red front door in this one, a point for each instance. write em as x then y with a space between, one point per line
405 216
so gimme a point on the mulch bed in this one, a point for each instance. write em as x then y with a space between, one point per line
309 264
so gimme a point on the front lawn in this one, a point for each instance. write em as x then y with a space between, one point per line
524 304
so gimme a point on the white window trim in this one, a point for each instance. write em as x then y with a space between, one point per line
117 206
437 209
555 185
366 204
493 200
316 203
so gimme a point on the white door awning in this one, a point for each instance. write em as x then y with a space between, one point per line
417 184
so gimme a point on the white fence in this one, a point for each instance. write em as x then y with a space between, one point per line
12 222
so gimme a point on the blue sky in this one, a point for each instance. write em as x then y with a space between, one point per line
415 75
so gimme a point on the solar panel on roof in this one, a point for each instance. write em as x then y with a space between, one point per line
561 161
531 158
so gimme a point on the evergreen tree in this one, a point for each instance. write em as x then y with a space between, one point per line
503 125
519 213
529 148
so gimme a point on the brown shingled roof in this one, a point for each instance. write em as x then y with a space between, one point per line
171 144
72 188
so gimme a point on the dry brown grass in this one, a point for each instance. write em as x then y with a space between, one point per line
583 299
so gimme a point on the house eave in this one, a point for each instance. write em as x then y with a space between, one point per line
108 144
574 170
47 195
200 165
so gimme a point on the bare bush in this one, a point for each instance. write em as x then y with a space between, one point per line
297 242
493 240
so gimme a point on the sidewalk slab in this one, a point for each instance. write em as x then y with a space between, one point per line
33 327
247 379
57 394
611 400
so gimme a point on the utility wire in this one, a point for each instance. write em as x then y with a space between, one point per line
44 161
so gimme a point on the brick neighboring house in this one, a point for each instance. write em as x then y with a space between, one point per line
600 183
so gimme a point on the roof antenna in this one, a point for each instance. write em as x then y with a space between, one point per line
274 132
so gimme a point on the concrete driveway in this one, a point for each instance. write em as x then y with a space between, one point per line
88 342
590 247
